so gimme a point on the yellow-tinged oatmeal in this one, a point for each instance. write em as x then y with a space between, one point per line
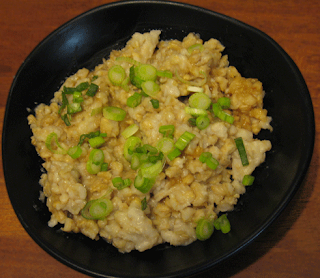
186 190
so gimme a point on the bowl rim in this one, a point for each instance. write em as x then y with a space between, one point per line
249 239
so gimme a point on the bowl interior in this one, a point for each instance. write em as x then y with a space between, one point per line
83 42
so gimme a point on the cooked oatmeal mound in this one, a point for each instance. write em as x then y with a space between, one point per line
164 206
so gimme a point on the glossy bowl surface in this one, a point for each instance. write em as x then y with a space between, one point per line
83 42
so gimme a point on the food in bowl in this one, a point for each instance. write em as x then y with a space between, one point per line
155 145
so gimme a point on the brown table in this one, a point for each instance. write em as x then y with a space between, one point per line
291 245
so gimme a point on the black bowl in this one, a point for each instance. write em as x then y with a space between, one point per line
83 42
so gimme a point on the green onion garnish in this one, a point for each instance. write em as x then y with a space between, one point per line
202 122
97 209
128 60
155 103
90 135
114 113
224 102
222 115
75 152
166 145
167 130
93 89
130 146
247 180
96 142
151 170
96 156
129 131
204 229
48 142
184 140
200 101
93 168
66 118
104 167
175 153
134 100
146 72
196 112
206 157
117 75
118 183
150 87
192 121
164 73
74 107
242 151
144 203
77 97
222 223
143 184
193 47
195 89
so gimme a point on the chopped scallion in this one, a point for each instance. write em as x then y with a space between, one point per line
75 152
242 151
96 142
114 113
97 209
53 136
199 100
167 130
202 122
164 73
134 100
129 131
150 87
174 154
93 89
196 112
166 145
193 47
224 102
155 103
223 224
204 229
117 75
247 180
184 140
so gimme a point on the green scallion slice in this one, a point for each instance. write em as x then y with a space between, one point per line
184 140
155 103
97 209
93 168
166 145
196 46
150 87
167 130
93 89
96 156
202 122
54 137
74 107
143 184
247 180
242 151
134 100
104 167
199 100
204 156
131 144
204 229
117 75
223 224
224 102
114 113
212 163
144 203
75 152
174 154
164 73
129 131
196 112
96 142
